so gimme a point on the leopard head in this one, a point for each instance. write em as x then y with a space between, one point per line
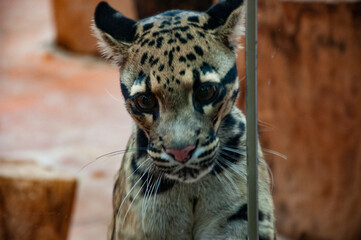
178 78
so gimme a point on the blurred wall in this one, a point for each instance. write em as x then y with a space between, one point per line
309 95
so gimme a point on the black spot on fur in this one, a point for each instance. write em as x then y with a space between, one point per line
182 72
161 68
159 42
165 53
177 81
190 36
142 142
182 59
125 91
191 57
201 34
206 68
145 42
180 38
198 50
151 43
178 48
154 62
170 60
170 41
158 79
155 34
193 19
264 238
194 204
183 29
241 214
144 58
230 76
147 26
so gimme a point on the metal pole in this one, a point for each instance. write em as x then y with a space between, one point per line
251 109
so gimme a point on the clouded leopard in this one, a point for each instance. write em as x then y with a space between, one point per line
184 173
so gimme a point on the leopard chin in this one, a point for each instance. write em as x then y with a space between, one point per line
189 174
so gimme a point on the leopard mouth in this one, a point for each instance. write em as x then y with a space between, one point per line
191 174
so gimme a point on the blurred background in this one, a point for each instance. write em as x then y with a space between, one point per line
61 108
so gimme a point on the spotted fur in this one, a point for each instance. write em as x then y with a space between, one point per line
179 81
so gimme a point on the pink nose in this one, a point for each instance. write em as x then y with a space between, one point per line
181 155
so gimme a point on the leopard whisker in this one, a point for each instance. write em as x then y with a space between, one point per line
130 190
234 151
225 173
136 195
275 153
236 169
140 165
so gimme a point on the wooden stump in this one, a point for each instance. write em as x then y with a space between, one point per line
35 203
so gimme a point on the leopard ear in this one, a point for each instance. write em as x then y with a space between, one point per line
114 31
227 18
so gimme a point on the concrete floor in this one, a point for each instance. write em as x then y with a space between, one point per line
61 110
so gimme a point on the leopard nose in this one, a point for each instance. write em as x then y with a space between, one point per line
181 155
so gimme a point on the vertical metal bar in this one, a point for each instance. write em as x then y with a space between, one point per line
251 109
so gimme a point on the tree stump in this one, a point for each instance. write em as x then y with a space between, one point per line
35 203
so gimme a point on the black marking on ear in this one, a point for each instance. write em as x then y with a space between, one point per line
182 59
125 91
241 214
191 56
190 36
114 23
219 13
198 50
147 26
144 58
160 42
193 19
231 75
206 68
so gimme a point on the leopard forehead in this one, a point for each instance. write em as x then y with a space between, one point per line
169 47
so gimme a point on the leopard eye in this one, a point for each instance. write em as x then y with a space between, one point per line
145 102
205 93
